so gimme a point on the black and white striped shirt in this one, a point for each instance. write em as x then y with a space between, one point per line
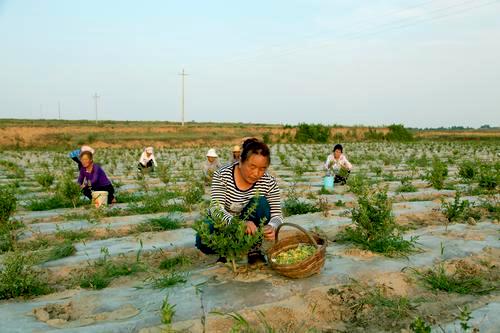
228 198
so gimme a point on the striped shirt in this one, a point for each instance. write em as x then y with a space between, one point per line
230 200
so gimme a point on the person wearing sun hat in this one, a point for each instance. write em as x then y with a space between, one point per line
75 154
236 153
210 166
147 160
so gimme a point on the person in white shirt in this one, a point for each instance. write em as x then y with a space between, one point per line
147 160
210 166
338 165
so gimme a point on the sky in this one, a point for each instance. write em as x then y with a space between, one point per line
419 63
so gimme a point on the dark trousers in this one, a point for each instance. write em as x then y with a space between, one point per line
148 165
342 180
77 160
261 215
108 188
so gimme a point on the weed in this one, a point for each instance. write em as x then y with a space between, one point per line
180 260
420 326
294 206
406 186
167 311
159 224
72 235
168 280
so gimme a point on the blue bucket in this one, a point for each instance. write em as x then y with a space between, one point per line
328 182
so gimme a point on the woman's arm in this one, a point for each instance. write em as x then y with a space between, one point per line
217 198
327 163
274 199
346 163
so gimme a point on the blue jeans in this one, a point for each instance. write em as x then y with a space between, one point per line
261 214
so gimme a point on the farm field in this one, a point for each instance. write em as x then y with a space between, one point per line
429 258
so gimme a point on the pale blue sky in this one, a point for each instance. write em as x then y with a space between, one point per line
420 63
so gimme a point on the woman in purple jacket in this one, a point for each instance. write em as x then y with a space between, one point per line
93 178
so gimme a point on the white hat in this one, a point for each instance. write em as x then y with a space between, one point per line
236 148
211 153
149 150
87 148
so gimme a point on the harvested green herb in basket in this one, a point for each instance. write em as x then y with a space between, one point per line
295 255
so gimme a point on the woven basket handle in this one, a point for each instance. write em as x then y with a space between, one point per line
313 241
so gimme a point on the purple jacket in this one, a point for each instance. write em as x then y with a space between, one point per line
96 178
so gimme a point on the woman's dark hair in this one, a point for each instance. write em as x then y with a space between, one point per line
88 153
339 147
254 146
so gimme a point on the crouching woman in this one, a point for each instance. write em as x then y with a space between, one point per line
245 190
93 178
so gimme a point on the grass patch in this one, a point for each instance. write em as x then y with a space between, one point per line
177 261
465 279
103 271
367 306
168 280
73 235
160 224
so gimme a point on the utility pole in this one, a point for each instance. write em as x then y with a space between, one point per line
59 109
183 74
95 99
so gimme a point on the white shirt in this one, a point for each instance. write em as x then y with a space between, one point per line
145 159
342 162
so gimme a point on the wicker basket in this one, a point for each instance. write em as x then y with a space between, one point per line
306 267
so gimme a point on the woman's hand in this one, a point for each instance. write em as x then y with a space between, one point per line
251 228
269 232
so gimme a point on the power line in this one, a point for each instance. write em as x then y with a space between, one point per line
377 29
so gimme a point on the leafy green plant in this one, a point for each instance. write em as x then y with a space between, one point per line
8 203
420 326
358 184
193 194
467 170
488 177
375 228
69 189
19 278
45 179
437 174
164 173
228 239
